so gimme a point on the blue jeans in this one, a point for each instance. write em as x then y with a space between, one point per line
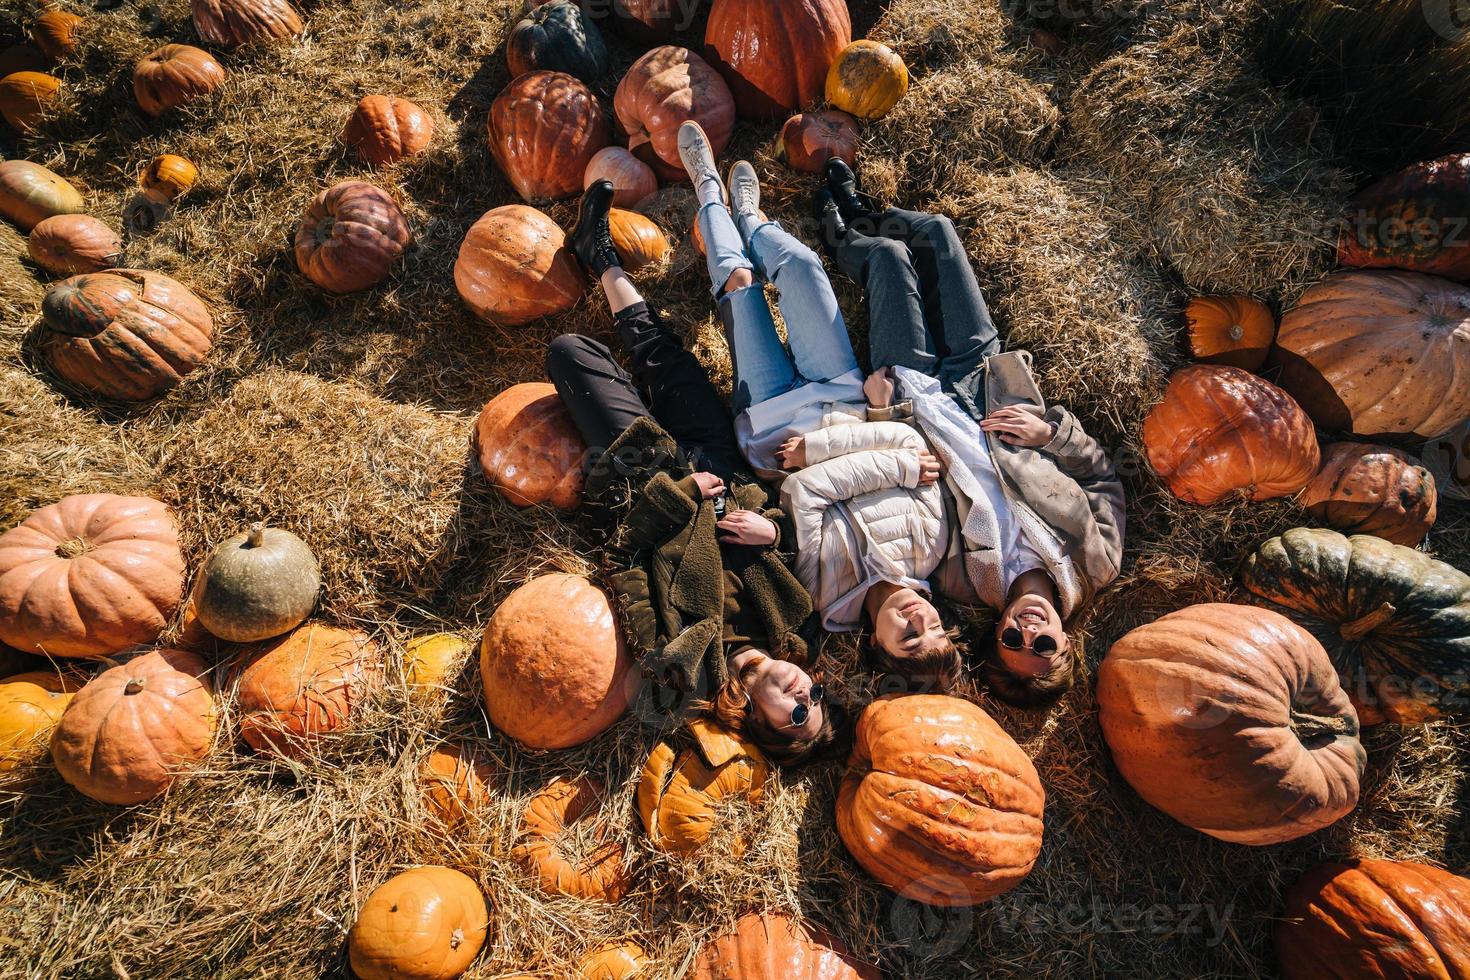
819 346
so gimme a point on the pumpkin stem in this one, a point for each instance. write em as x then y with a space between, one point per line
256 537
135 686
1237 332
72 548
456 939
1320 728
1361 627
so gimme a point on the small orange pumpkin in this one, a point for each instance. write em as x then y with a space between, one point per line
679 792
810 139
55 33
173 75
867 80
455 782
350 237
27 98
71 244
386 129
613 961
1236 331
1367 489
632 179
168 177
599 875
30 706
514 267
529 448
430 662
424 924
639 241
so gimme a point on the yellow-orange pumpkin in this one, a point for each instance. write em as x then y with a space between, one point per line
867 80
1234 330
544 129
430 662
1367 489
29 193
768 946
680 790
386 129
30 706
27 98
426 923
71 244
639 241
613 961
529 448
455 782
514 267
168 177
597 875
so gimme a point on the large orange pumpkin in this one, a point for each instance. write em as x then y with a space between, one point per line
385 129
294 689
1379 353
455 782
1221 431
30 706
554 664
613 961
1413 219
1362 919
231 23
775 54
599 873
89 576
71 244
529 448
174 75
939 803
423 924
680 791
639 241
810 139
1232 330
124 334
664 89
27 98
514 267
544 129
867 80
767 946
1231 720
131 730
1367 489
29 193
350 237
632 179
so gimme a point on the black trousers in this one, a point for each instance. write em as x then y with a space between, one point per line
666 382
925 307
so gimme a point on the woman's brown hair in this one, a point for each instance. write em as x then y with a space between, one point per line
934 671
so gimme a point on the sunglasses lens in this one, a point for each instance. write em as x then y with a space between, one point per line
1012 638
800 714
818 692
1044 644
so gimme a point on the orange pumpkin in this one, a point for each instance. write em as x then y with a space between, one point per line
664 89
70 244
168 177
1375 919
599 874
231 23
27 98
1366 489
29 193
385 129
939 803
544 129
680 792
350 237
174 75
455 782
613 961
90 575
775 54
867 80
423 924
1232 330
1411 219
632 179
529 448
1221 431
810 139
1231 720
639 241
131 730
30 706
767 946
430 662
514 267
294 689
55 33
554 664
124 334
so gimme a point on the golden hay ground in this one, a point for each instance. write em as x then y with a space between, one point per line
1093 187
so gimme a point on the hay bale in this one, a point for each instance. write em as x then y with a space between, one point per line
932 35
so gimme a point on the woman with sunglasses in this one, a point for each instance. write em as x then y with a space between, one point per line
1039 509
778 706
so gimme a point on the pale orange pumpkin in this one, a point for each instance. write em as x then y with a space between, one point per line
426 923
455 781
680 791
632 179
30 193
27 98
1367 489
767 946
640 242
514 267
662 90
1234 330
600 874
174 75
544 129
71 244
30 706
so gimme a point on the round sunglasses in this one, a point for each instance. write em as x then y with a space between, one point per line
802 711
1043 645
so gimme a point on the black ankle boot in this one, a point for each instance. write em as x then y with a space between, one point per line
592 239
843 184
829 221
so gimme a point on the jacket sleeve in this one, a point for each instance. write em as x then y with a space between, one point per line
844 440
814 489
662 509
1081 457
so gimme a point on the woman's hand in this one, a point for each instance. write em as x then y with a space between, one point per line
746 527
1018 427
709 485
792 454
879 387
930 469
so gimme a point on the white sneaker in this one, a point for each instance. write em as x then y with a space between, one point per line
699 160
745 191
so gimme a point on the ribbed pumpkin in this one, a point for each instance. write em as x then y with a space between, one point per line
544 129
55 33
557 36
529 448
30 193
455 782
385 129
939 804
1221 431
27 98
168 177
350 237
681 790
1233 330
71 244
1231 720
775 54
767 946
1375 919
639 241
554 664
613 961
423 924
1413 219
1379 353
867 80
810 139
1367 489
297 688
597 874
1395 621
132 729
124 334
231 23
664 89
256 585
173 75
90 575
514 267
632 179
30 706
430 662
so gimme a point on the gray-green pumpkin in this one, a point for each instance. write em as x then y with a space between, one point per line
257 585
1395 621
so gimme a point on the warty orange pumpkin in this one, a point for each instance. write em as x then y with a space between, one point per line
455 781
769 946
173 75
1367 489
775 54
514 267
1412 219
529 448
664 89
1233 330
71 244
231 23
30 706
27 98
544 129
867 80
426 923
598 874
385 129
681 790
350 237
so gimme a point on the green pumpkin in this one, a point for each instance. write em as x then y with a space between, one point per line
257 585
558 36
1395 621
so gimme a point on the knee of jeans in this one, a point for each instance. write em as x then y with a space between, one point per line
566 355
939 227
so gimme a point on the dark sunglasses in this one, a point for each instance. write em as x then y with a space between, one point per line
1012 639
801 712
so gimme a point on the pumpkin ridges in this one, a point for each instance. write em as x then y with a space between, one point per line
599 875
542 462
29 193
27 98
513 267
544 128
775 54
664 88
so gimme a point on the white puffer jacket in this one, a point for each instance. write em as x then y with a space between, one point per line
860 515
